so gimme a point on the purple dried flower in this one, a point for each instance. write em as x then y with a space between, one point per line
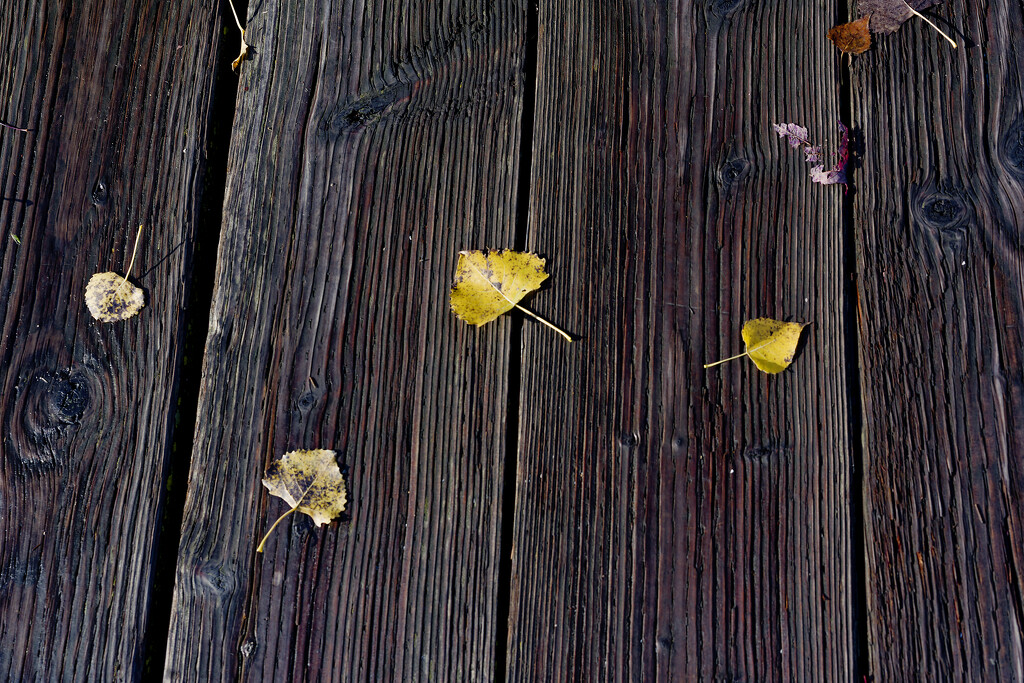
798 135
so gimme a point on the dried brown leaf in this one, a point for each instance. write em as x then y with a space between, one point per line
853 38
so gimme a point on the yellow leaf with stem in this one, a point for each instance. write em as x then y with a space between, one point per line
244 50
311 482
771 344
110 297
490 283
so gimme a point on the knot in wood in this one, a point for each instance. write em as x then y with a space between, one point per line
723 9
1011 148
49 407
944 219
628 440
732 172
764 452
100 192
942 211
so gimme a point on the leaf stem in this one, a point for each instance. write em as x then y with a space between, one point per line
770 340
549 324
21 130
725 360
244 50
259 548
132 262
929 22
298 504
237 22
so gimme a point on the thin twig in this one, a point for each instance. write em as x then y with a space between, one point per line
242 30
929 22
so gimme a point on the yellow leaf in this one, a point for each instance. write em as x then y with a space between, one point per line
244 50
310 481
770 343
242 54
490 283
110 297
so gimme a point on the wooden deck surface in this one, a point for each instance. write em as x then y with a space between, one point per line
520 508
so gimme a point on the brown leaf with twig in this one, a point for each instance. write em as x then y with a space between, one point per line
889 15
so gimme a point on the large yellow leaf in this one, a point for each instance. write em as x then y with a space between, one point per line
490 283
771 344
310 482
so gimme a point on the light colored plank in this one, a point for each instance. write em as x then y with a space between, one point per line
373 141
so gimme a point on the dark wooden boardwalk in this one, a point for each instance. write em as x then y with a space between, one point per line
520 508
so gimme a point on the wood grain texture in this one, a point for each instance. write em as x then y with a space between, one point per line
117 96
372 142
674 523
941 209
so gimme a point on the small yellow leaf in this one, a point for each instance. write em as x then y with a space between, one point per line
489 283
110 297
244 50
242 54
771 344
311 482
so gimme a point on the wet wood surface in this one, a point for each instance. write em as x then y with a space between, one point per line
520 507
116 97
672 522
940 214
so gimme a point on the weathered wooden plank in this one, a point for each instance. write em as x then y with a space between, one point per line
940 206
372 142
117 96
674 523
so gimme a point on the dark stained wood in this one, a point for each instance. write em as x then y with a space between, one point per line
674 523
671 522
117 96
940 206
372 142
